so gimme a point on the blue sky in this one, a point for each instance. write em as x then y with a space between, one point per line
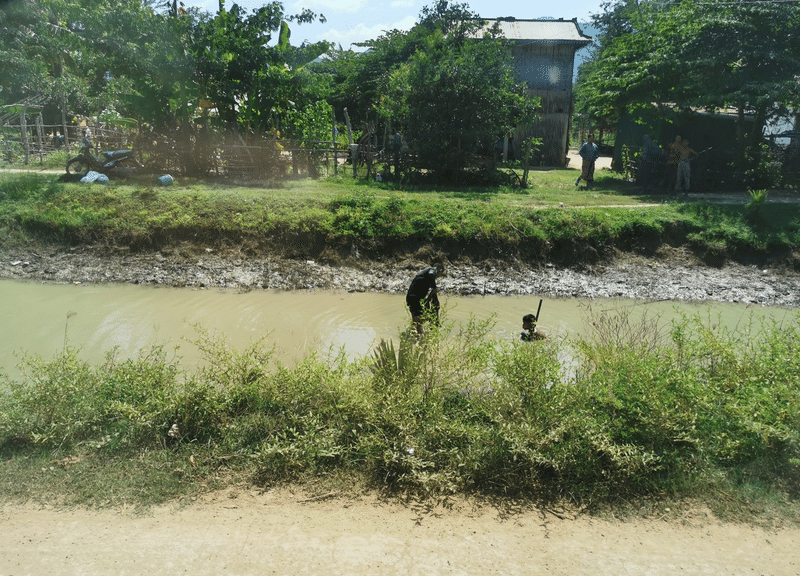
350 21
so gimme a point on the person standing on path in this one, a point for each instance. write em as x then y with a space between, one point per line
682 179
589 152
422 299
651 158
673 157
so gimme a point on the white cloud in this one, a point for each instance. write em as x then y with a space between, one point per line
402 4
330 5
360 31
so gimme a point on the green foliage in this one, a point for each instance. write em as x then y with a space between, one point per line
248 81
340 209
310 125
681 53
758 199
128 60
67 404
358 76
453 94
762 173
631 408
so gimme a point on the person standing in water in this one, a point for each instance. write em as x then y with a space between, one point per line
529 330
422 299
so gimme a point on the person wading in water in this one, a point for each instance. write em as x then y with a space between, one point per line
422 299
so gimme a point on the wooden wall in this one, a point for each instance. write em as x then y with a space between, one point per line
545 66
547 69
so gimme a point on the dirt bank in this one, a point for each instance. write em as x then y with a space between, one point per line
285 532
675 275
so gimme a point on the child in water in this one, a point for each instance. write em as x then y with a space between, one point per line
529 330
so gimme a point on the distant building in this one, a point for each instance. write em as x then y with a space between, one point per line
544 56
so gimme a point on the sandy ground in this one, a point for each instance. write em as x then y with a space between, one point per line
280 532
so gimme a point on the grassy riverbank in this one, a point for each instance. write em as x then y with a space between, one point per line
698 413
694 413
551 221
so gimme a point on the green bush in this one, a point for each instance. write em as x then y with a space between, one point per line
631 408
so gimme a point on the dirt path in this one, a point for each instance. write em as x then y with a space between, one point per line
279 532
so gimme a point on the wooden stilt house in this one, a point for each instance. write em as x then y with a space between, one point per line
544 56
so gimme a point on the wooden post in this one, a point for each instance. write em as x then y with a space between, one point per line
39 137
353 147
526 151
333 138
354 158
64 111
23 127
349 129
372 143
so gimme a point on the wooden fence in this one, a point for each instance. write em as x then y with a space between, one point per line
24 137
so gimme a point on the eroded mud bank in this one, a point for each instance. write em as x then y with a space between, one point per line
674 278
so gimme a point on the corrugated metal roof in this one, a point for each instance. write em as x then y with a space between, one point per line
541 31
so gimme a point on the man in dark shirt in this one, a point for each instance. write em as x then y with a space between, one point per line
422 299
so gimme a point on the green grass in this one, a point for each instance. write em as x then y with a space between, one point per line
340 211
637 413
55 160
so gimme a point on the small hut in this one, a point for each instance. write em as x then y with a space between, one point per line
544 56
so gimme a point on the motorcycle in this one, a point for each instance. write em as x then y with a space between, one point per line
113 163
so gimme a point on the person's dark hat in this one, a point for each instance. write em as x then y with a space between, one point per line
529 318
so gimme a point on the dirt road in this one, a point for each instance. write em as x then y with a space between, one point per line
278 532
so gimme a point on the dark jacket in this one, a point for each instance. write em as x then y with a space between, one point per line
422 283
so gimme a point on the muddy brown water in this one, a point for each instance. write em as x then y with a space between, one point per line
40 319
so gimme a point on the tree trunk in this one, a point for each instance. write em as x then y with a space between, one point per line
23 126
333 141
349 128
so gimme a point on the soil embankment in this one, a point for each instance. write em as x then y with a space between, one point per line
676 276
657 268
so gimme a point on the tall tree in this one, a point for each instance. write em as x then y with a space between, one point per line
359 76
695 54
246 66
455 93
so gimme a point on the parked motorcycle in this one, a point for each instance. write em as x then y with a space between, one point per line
113 163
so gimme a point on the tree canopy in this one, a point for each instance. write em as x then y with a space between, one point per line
694 54
455 94
443 84
183 70
161 66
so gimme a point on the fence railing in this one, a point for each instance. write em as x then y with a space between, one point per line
205 154
33 141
